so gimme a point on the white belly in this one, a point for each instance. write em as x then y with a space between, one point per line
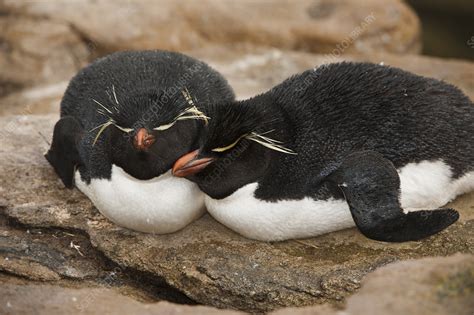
163 204
425 185
276 221
429 185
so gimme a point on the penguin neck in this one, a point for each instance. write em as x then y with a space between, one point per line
249 161
269 117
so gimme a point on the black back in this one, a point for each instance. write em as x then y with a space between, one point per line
324 114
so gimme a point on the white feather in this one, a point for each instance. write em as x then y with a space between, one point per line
276 221
163 204
429 185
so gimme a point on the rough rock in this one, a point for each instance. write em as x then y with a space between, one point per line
67 258
52 300
428 286
424 287
37 256
317 26
209 263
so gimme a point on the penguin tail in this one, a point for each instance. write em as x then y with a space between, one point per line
371 187
63 154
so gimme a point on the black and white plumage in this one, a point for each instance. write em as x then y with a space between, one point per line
125 119
340 144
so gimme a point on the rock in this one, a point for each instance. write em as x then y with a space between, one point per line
37 257
40 99
47 42
254 71
426 287
209 263
36 50
429 286
67 258
317 26
51 300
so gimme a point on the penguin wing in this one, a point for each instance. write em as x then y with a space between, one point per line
371 186
63 154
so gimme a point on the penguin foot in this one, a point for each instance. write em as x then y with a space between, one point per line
371 186
63 154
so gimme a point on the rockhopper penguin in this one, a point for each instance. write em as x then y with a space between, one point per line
338 145
125 119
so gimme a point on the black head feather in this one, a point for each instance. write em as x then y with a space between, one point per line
139 89
230 122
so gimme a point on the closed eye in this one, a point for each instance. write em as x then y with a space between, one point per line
164 127
188 113
260 139
126 130
228 147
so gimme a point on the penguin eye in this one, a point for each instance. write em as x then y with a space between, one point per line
126 130
228 147
164 127
188 113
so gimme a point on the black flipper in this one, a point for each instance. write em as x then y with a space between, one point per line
371 186
63 154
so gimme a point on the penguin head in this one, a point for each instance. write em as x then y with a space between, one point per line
235 148
146 133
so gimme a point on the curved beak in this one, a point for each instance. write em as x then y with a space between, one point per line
190 164
143 140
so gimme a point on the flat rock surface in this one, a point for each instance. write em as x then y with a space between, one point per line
206 261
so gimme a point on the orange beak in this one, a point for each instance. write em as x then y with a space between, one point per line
189 164
143 140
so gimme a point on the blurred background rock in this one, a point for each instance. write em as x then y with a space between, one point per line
43 43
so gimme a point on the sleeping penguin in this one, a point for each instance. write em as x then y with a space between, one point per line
342 144
125 119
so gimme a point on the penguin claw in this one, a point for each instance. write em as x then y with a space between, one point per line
413 226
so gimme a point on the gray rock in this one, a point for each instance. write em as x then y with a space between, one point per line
206 261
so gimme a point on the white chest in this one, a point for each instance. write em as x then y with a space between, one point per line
275 221
163 204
